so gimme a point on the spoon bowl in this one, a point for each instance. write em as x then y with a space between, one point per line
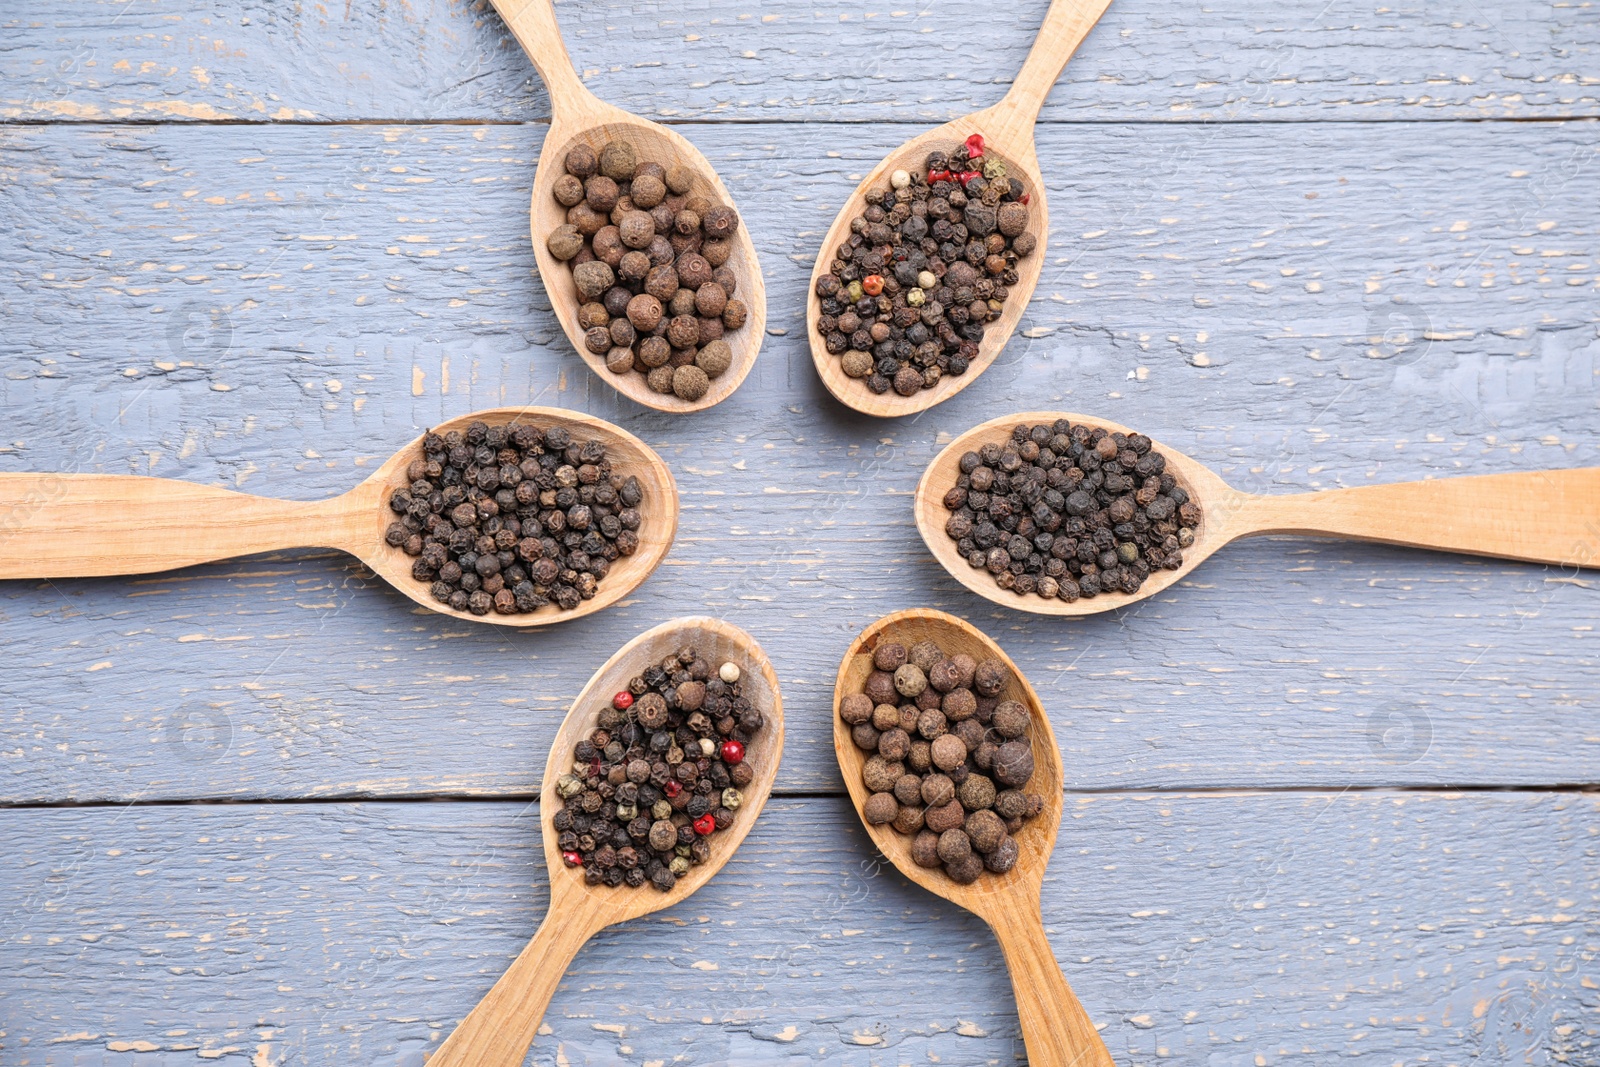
579 117
1007 129
1054 1025
89 525
499 1031
1535 516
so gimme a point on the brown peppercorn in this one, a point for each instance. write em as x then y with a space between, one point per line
937 790
1003 856
976 792
654 351
690 383
909 680
895 744
889 656
720 221
985 830
855 708
581 161
651 711
925 654
925 849
948 751
879 688
944 817
908 789
1013 764
1010 719
954 846
880 808
710 299
714 358
565 242
601 193
966 872
618 161
880 774
990 677
647 190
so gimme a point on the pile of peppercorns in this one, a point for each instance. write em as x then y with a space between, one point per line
511 518
649 260
659 775
1070 510
927 265
949 759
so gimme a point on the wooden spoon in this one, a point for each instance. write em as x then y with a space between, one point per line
87 525
579 117
1055 1028
1007 130
1550 517
498 1032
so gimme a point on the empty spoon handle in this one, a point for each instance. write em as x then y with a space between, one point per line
1538 516
498 1032
1055 1028
82 525
533 24
1065 26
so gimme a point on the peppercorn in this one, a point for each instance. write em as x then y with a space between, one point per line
880 808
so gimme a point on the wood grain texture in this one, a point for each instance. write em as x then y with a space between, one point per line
281 339
163 60
1362 928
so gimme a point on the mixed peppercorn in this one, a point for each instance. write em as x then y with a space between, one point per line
927 265
660 775
649 260
950 756
1070 511
511 518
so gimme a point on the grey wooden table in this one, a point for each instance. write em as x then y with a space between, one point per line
1326 802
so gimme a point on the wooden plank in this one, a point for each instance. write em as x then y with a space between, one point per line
1371 928
270 325
164 61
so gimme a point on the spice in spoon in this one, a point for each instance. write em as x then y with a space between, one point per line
928 264
950 756
649 258
660 775
1067 511
511 518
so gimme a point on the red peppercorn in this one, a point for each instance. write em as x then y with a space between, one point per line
622 701
967 175
572 859
1024 198
940 176
732 752
705 824
672 788
975 145
872 284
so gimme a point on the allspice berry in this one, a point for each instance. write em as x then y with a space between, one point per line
966 871
582 161
720 221
680 179
909 680
925 849
889 656
949 751
856 363
690 383
565 242
715 358
855 709
1003 856
955 846
648 191
881 775
735 315
989 677
637 229
592 279
1010 719
617 161
1013 764
985 830
938 790
925 654
568 190
880 808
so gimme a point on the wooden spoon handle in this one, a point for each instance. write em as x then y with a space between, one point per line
1055 1028
1538 516
1065 26
533 24
499 1030
82 525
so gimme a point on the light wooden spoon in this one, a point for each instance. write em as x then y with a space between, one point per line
498 1032
1550 517
1055 1028
88 525
1007 130
579 117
